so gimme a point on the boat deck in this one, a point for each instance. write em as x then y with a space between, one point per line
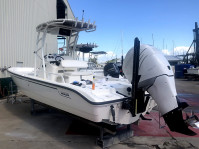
55 130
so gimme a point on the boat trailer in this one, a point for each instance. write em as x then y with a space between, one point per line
108 134
111 134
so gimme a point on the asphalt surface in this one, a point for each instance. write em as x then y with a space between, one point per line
53 129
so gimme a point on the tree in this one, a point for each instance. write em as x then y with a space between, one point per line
112 61
94 60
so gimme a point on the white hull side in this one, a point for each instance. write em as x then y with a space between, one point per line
71 101
193 71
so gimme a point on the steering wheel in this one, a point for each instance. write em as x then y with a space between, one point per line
59 58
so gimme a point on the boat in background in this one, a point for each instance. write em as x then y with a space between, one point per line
79 52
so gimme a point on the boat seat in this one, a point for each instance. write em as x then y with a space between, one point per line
71 64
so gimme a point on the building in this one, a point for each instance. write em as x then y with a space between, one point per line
173 60
18 21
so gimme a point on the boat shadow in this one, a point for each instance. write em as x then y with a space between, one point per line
55 125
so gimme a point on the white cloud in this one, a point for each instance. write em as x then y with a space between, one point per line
182 50
111 55
166 51
105 57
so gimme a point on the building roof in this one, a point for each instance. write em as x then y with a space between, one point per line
98 52
173 58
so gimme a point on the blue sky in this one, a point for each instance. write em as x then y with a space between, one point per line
168 20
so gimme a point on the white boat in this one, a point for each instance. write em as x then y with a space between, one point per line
78 53
193 71
61 84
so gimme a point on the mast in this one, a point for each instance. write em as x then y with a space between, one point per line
196 32
122 48
153 39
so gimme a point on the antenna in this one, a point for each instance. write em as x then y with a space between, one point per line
163 44
82 14
122 49
122 42
152 39
173 47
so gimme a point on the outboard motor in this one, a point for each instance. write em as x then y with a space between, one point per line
156 76
112 70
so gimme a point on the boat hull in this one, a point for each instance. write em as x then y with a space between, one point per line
69 100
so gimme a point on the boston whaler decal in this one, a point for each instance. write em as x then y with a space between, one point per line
64 94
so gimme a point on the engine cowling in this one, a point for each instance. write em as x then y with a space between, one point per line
156 77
